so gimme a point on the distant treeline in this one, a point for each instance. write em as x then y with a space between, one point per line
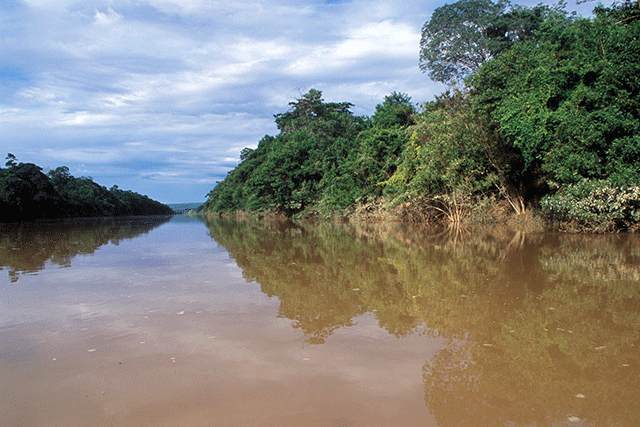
542 116
26 193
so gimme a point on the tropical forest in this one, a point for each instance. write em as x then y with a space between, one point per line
540 123
27 193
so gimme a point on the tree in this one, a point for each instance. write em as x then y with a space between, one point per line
519 24
11 160
569 100
453 151
308 110
60 177
306 161
376 158
396 110
454 41
26 193
462 36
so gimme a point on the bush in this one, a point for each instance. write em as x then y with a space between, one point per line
595 205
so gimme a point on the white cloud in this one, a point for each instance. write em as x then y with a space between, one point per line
82 156
139 91
386 38
109 17
84 118
373 42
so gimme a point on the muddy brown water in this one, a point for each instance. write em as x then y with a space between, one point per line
176 322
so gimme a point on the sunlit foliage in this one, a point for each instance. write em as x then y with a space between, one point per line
323 156
542 101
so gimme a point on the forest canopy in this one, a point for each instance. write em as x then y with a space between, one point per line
542 114
26 193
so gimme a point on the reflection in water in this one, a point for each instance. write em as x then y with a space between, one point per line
544 330
391 326
26 247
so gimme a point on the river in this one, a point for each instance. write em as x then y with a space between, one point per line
162 321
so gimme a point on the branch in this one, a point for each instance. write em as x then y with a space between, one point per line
628 19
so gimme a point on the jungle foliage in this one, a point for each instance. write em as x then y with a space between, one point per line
26 193
323 155
540 100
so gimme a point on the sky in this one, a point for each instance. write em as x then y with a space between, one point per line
160 96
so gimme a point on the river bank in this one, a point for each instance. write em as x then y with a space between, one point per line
461 212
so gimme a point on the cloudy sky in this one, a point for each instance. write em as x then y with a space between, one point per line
160 96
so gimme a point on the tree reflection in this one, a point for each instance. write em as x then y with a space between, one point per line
544 329
568 352
25 248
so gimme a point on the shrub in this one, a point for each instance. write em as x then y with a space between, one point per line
595 205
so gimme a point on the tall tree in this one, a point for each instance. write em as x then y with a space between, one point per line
462 36
454 42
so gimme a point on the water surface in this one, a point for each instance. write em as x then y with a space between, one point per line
158 322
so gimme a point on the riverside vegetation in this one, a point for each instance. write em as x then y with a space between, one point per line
541 120
26 193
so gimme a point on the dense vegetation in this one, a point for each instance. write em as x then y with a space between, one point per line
542 115
26 193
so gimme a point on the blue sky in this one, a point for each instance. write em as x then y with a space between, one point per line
160 96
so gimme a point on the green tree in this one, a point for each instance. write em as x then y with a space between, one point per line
11 161
518 24
377 157
454 41
460 37
26 193
396 110
570 100
305 162
453 151
310 112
